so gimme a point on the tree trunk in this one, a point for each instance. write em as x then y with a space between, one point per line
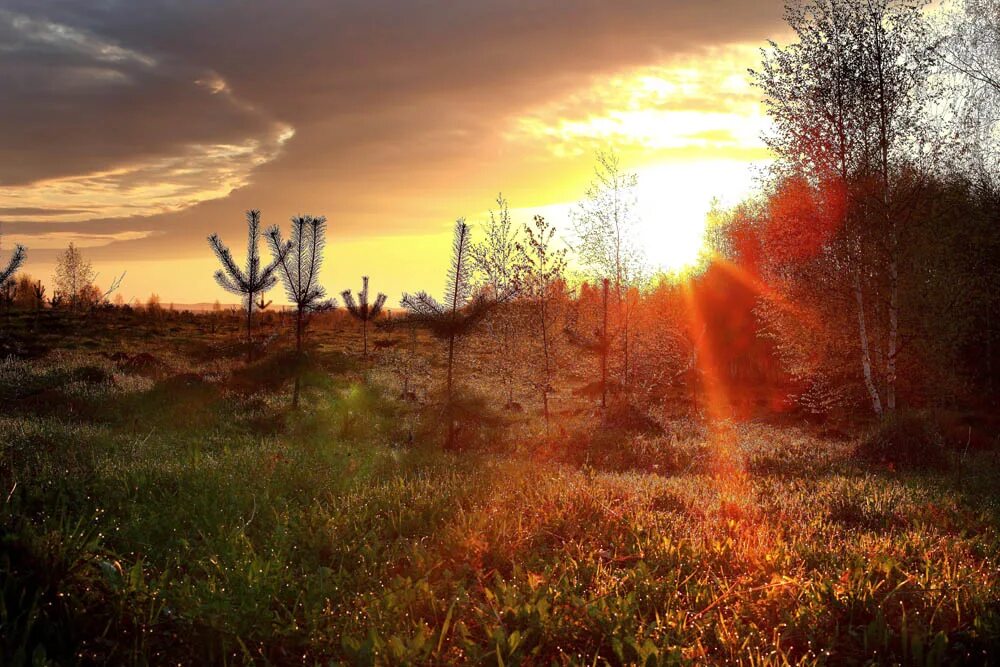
545 353
893 347
866 360
298 356
298 330
249 326
451 359
364 336
604 350
450 407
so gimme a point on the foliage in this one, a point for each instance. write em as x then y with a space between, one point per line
543 268
255 279
14 263
74 275
361 310
300 261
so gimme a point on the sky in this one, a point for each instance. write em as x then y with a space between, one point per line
135 128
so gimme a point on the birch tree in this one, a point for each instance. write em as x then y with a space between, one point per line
605 226
496 263
849 101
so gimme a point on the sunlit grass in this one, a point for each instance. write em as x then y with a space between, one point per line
233 529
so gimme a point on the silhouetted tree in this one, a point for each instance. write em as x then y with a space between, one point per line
74 275
8 292
254 280
38 292
299 269
456 317
361 310
14 263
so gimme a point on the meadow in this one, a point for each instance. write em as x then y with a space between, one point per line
163 503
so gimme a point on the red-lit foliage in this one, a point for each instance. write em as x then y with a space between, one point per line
802 218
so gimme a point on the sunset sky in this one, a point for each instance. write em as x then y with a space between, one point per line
136 128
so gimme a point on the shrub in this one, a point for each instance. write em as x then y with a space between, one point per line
907 440
625 415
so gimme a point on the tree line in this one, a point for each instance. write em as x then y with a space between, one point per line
861 277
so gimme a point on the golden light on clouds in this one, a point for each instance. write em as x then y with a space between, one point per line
694 106
691 129
162 147
158 185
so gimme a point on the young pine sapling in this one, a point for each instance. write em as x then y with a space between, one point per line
250 282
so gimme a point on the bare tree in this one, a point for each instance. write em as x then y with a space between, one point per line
970 48
361 310
605 224
74 275
299 269
543 268
497 268
254 280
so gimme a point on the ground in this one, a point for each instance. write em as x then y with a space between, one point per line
163 504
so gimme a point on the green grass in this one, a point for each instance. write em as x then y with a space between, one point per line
179 520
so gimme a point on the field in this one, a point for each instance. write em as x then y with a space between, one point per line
162 503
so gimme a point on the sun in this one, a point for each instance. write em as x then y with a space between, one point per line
673 204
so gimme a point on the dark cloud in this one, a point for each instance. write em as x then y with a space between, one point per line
79 102
386 98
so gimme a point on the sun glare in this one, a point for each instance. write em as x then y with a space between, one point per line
674 201
690 129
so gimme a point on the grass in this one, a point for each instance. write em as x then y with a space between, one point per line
190 517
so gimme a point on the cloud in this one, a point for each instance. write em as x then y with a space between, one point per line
403 111
694 104
103 130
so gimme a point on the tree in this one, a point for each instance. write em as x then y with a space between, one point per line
543 269
605 225
587 313
74 275
361 310
971 49
299 268
38 292
849 102
495 259
254 280
24 293
153 306
14 263
457 316
496 264
8 293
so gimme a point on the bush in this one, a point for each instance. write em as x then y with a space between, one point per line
625 415
907 440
